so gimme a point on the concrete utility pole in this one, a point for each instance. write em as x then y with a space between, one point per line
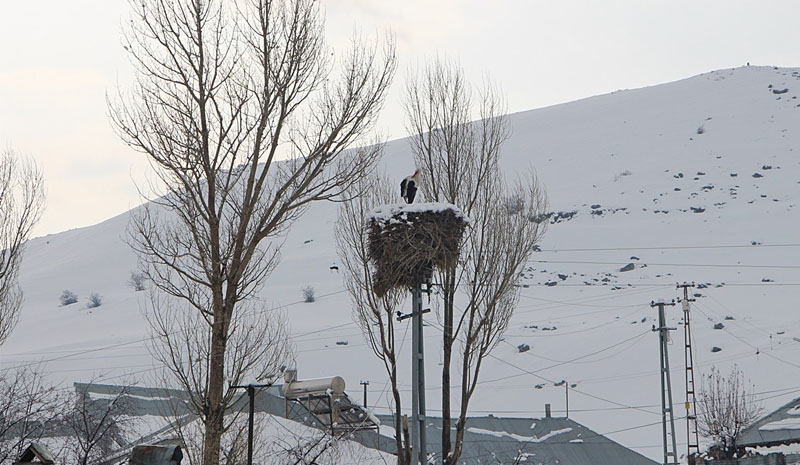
692 438
251 393
419 448
666 385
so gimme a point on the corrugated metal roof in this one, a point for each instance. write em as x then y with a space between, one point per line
493 439
487 439
779 427
156 455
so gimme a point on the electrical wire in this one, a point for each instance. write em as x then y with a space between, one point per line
670 247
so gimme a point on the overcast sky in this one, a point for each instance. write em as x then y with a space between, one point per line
59 58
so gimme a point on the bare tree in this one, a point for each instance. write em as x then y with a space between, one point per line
374 314
22 197
727 406
459 161
245 119
138 281
233 445
257 349
29 409
277 441
96 426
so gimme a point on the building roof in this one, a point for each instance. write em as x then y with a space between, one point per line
37 452
779 427
487 439
493 439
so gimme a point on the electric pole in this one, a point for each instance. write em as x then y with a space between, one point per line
692 439
666 384
418 444
251 393
365 384
566 394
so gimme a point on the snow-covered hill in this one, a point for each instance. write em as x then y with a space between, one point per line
694 180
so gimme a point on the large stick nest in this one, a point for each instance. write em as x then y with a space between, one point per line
406 242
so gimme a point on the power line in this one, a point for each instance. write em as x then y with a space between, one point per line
669 247
767 353
713 265
533 373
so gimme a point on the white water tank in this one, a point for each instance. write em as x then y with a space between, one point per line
333 385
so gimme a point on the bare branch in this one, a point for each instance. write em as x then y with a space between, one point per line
457 148
22 197
246 119
727 406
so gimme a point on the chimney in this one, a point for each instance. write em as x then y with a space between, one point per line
547 410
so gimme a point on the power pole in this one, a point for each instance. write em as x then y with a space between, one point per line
666 385
566 394
365 384
418 444
692 437
251 393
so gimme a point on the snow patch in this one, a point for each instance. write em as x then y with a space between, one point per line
519 437
788 423
386 213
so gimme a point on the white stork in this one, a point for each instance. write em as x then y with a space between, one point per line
408 188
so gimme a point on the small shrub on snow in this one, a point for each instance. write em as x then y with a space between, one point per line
308 294
138 281
95 300
701 129
68 297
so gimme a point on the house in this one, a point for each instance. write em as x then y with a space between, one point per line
778 431
35 453
488 439
499 440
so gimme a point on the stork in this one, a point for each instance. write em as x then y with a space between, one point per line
408 188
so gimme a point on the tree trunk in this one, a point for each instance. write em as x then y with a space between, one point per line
407 436
400 424
447 356
215 415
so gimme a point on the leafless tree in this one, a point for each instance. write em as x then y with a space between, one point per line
277 442
96 426
22 197
289 445
459 161
257 349
245 118
138 281
374 314
727 406
233 445
29 409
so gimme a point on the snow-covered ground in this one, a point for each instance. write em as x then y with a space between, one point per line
694 180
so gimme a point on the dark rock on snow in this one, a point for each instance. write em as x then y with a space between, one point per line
628 267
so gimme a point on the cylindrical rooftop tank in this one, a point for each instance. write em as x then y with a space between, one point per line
313 387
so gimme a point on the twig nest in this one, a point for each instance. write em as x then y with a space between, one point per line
407 241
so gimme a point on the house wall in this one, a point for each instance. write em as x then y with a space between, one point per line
771 459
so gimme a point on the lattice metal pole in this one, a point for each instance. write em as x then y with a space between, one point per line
692 436
666 386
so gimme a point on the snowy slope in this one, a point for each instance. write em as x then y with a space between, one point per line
643 184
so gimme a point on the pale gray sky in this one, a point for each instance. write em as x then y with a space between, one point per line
58 59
